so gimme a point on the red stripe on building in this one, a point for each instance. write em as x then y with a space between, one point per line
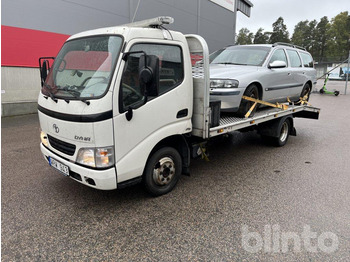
22 47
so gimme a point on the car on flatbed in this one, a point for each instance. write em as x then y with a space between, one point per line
271 73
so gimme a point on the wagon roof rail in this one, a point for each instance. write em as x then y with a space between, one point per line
288 44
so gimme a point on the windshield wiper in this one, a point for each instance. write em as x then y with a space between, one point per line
49 90
74 93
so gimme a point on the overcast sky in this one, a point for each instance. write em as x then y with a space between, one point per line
265 12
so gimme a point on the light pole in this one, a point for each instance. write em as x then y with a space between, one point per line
347 74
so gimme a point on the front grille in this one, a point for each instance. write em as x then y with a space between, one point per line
61 146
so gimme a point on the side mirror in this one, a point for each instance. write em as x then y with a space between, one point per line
149 74
44 67
43 71
277 64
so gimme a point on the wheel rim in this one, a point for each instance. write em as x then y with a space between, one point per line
254 95
164 171
250 103
305 92
284 132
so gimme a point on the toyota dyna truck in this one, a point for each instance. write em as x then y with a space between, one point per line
131 103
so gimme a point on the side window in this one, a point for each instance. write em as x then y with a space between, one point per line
307 59
279 55
131 94
294 58
171 72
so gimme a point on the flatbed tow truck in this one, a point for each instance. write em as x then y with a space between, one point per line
131 104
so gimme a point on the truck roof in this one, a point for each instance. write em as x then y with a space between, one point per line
150 28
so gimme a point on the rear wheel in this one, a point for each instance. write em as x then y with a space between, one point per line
162 171
253 92
306 91
284 131
276 132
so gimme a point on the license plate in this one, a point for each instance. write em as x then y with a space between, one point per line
59 166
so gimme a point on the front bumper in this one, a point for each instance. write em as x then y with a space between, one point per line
100 179
230 98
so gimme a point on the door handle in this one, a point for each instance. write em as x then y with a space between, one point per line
182 113
289 74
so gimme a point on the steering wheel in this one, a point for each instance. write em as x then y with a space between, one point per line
90 77
132 92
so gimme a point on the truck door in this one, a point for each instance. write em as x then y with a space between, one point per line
167 114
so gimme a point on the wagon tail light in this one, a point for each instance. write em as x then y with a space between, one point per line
223 83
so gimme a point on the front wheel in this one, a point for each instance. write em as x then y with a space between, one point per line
162 171
253 92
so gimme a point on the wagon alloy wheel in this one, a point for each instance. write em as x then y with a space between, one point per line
253 92
306 91
162 171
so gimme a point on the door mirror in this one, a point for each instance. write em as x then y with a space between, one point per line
149 74
43 71
277 64
44 67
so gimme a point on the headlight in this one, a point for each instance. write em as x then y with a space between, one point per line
223 83
43 138
96 157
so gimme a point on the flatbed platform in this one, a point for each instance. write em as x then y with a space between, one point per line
229 123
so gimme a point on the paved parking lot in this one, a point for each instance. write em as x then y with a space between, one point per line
247 185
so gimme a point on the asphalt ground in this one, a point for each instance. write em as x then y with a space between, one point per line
246 185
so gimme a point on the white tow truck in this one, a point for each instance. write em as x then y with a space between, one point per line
131 103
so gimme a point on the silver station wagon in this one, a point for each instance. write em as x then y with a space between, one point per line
271 73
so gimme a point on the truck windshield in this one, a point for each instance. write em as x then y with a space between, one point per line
242 55
83 68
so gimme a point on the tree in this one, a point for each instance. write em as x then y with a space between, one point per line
261 37
310 36
304 35
245 37
279 32
299 33
338 37
321 34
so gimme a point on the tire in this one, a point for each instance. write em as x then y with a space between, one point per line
283 131
251 91
162 171
306 91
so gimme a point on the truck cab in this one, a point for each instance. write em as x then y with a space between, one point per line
111 97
